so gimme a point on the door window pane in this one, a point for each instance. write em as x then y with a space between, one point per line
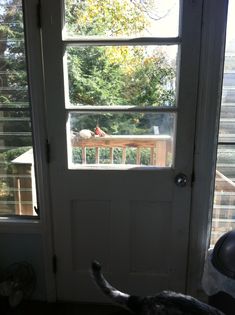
120 139
122 18
224 194
17 181
122 75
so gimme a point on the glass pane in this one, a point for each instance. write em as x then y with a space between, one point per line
144 139
122 75
118 18
17 181
227 116
226 161
224 195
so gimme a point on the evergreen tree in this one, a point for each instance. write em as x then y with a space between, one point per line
116 75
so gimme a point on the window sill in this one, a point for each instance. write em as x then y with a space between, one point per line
115 167
20 225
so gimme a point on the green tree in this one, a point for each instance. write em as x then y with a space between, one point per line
117 75
104 17
94 80
13 77
15 122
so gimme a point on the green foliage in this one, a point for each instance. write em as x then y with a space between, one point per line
117 75
13 75
104 17
151 83
14 93
131 79
7 167
93 79
10 155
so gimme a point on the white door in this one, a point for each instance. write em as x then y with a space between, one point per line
117 198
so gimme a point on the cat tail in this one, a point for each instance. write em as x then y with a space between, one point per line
116 295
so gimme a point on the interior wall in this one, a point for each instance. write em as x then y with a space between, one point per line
24 247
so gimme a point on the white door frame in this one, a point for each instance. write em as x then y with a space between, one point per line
205 146
37 100
207 127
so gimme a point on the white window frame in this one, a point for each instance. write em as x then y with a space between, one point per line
208 112
33 225
106 42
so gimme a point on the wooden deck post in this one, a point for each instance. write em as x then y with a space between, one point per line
161 153
83 155
138 156
124 155
111 155
97 155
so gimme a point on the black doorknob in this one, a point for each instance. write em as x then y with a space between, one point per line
181 180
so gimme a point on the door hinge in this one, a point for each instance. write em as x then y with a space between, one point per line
48 151
54 264
39 14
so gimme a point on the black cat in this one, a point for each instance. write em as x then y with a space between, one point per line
164 303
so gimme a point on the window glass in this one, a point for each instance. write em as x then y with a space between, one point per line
122 18
17 181
144 139
122 75
120 95
224 195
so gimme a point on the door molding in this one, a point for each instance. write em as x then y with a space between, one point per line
207 125
38 112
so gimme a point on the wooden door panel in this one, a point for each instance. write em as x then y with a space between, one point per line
148 225
90 233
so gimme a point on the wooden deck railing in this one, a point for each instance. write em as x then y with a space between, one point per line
160 146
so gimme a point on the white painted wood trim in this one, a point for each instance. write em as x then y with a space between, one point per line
36 86
78 41
211 70
185 130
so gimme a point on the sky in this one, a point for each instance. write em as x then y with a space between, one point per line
168 25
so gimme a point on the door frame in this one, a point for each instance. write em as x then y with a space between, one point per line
207 129
211 66
34 57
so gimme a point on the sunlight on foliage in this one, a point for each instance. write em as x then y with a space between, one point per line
104 17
